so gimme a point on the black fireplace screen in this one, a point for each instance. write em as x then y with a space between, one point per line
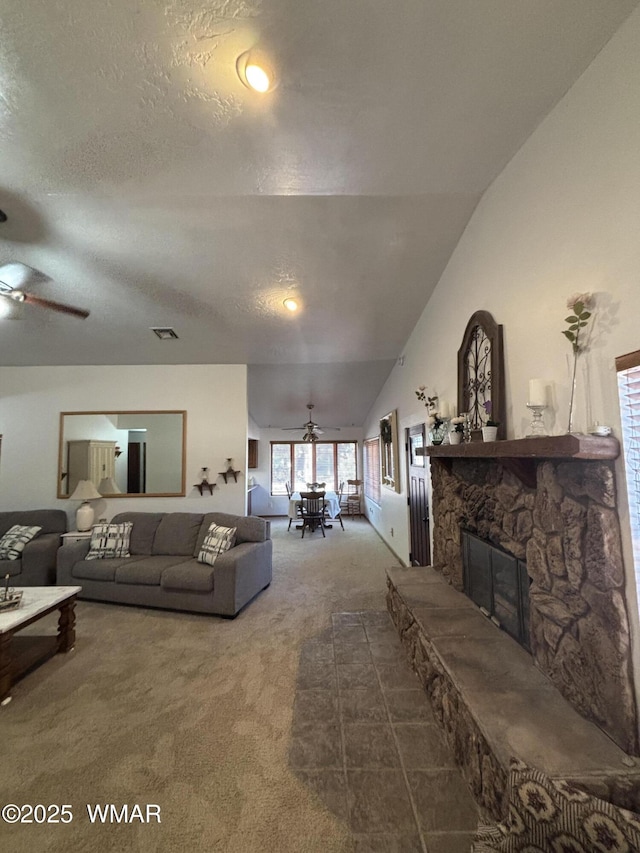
499 584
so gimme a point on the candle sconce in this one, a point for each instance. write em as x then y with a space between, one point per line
204 482
229 472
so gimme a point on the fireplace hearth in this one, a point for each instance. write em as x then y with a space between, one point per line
499 584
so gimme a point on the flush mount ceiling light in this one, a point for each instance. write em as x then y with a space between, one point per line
256 71
290 304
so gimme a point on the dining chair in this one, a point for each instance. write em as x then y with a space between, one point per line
354 497
338 515
342 495
312 509
297 516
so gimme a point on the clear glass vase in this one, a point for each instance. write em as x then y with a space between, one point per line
439 432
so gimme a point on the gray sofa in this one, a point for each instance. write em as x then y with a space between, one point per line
163 571
38 564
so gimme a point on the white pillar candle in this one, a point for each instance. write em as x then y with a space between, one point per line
444 409
537 392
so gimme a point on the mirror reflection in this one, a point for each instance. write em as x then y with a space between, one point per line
124 454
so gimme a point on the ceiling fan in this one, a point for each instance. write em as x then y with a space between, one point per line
311 429
15 276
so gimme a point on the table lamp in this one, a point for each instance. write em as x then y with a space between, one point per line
85 491
108 486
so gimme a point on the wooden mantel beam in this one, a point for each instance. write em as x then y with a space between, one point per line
569 446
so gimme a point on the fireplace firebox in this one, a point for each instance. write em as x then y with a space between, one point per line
499 584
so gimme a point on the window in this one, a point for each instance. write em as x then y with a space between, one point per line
299 463
390 473
628 367
372 469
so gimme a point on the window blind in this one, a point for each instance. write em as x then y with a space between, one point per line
628 367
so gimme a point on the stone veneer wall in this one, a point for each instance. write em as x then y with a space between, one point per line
567 530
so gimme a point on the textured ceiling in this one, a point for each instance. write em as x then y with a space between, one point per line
154 189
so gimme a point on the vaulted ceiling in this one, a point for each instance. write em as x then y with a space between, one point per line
154 189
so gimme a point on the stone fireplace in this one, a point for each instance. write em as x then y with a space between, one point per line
550 506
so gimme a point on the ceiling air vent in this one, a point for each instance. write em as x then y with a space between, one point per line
165 334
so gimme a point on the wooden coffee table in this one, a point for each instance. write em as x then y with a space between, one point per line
21 654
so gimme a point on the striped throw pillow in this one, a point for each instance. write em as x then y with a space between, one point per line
217 541
13 542
109 541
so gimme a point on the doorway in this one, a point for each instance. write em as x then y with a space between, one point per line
419 533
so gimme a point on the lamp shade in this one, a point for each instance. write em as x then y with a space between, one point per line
85 491
108 486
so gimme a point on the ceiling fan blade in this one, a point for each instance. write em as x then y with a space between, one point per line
55 306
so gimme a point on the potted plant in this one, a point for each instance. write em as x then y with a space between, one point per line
455 436
490 427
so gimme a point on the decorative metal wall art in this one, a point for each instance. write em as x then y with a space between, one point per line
481 374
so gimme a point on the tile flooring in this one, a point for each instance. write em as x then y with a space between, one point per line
364 739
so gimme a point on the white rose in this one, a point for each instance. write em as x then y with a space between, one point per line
585 298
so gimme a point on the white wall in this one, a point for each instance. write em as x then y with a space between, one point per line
564 216
262 501
31 399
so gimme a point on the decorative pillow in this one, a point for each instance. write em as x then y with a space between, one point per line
553 816
13 542
109 541
217 541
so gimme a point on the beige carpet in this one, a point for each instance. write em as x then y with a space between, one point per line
192 713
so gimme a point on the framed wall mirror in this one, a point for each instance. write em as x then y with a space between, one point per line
124 454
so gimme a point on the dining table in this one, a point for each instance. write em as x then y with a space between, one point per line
331 499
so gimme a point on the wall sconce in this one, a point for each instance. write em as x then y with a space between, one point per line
256 71
230 471
204 482
117 452
85 491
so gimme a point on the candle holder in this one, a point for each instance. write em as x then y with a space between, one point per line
536 427
10 598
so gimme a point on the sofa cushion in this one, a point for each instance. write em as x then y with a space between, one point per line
177 534
109 541
147 570
191 575
13 541
144 529
50 520
552 814
249 528
217 541
96 570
